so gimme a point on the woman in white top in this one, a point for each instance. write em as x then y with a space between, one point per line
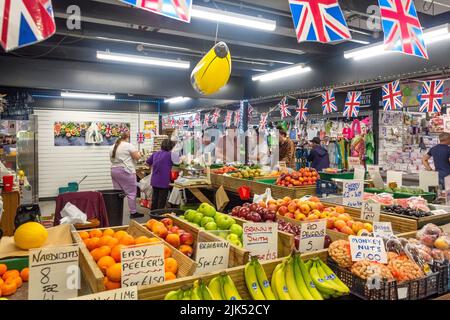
123 157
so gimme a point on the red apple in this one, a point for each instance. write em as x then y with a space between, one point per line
289 215
167 222
235 211
253 207
174 229
186 238
283 210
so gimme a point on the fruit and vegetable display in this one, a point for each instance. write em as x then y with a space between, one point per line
385 199
105 246
247 173
207 218
177 237
393 188
303 177
432 243
296 230
254 212
410 212
11 280
225 169
414 206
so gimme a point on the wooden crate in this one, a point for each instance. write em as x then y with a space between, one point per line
93 274
217 179
159 291
238 256
286 240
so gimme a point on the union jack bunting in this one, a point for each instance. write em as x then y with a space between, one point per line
237 118
431 96
172 122
140 138
228 118
24 22
328 102
197 120
175 9
250 111
352 104
263 121
392 96
190 123
302 109
206 119
319 20
284 108
215 117
181 123
401 26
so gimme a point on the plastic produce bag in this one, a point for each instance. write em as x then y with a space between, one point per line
145 187
265 197
71 215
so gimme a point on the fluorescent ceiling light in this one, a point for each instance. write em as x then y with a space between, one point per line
431 35
143 60
233 18
91 96
281 73
176 100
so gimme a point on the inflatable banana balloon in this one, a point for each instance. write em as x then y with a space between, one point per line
213 71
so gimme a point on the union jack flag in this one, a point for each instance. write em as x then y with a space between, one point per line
228 118
215 117
263 121
140 138
250 111
172 122
401 26
237 118
24 22
206 120
175 9
197 120
302 109
319 20
328 102
431 96
190 123
284 108
352 104
181 123
392 96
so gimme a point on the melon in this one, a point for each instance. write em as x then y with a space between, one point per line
30 235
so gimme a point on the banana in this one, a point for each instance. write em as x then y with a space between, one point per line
215 287
206 294
327 281
301 285
252 282
308 281
194 295
274 281
281 286
291 283
196 291
229 290
323 287
263 282
331 275
186 294
308 265
172 295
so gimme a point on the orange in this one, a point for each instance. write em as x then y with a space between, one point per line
10 273
170 276
8 288
111 285
86 241
98 253
115 252
142 239
104 240
120 234
340 209
150 223
17 280
25 274
153 240
1 283
93 243
112 242
108 232
105 262
83 235
167 252
114 273
127 240
96 233
3 269
171 265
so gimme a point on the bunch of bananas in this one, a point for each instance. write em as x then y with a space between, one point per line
220 288
256 280
293 279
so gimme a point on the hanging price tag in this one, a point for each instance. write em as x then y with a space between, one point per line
211 256
382 229
261 239
54 273
353 193
371 211
367 248
312 236
353 162
129 293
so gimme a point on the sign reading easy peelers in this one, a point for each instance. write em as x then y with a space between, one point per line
352 193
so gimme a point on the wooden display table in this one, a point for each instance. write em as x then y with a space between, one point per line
11 200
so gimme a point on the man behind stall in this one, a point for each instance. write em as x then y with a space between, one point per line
441 158
287 149
318 156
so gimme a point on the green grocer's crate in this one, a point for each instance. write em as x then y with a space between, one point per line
15 263
267 181
339 175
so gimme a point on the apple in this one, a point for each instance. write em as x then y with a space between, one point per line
189 214
236 229
217 215
232 237
271 217
292 207
182 217
246 205
198 218
235 211
255 217
174 229
186 238
206 220
207 210
283 210
253 207
167 222
289 215
223 234
272 207
237 243
181 231
224 222
243 213
211 226
305 209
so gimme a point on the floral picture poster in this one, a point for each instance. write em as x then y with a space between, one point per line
88 133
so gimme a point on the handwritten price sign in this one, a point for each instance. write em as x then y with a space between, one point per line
312 236
367 248
212 256
371 211
352 193
382 229
130 293
142 265
261 239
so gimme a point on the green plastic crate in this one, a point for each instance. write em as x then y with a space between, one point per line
342 175
375 190
267 181
16 263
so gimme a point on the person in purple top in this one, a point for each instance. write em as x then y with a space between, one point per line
161 166
318 156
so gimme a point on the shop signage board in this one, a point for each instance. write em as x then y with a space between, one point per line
211 256
371 211
395 176
367 248
428 179
142 265
353 162
54 273
352 193
382 229
261 239
312 236
129 293
360 173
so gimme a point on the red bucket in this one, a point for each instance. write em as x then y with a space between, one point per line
8 183
244 192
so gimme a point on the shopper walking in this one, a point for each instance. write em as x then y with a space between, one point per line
287 149
123 157
161 163
318 156
441 158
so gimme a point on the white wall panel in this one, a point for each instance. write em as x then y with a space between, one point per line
60 165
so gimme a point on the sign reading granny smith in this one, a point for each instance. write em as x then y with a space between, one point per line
261 239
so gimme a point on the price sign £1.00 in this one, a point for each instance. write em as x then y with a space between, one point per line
367 248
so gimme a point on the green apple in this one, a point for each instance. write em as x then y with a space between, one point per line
237 243
224 222
207 210
218 215
197 218
211 226
232 237
223 234
237 230
189 215
205 220
182 217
